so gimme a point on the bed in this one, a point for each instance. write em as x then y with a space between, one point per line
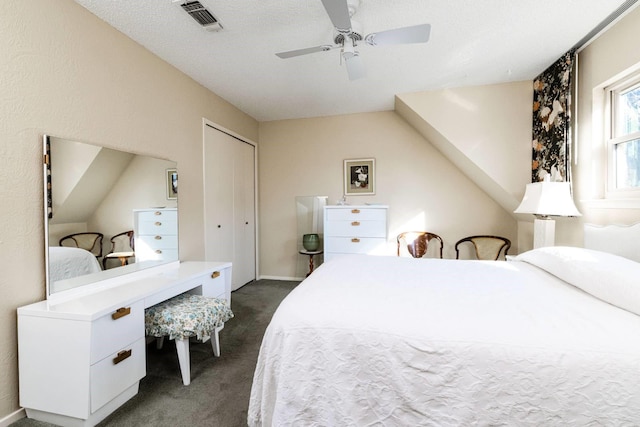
547 338
67 263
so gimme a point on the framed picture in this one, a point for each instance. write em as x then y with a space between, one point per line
359 177
172 184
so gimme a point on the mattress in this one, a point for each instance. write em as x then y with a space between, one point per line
394 341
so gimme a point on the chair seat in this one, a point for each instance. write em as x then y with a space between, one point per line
186 316
120 254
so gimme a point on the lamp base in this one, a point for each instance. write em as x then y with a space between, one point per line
544 231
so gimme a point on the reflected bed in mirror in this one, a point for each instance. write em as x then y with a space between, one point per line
93 197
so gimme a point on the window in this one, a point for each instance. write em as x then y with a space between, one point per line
624 138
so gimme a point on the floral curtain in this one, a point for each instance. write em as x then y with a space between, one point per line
552 120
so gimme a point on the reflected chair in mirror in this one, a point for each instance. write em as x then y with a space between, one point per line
486 247
122 248
417 243
89 241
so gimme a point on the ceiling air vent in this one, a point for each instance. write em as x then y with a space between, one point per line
197 11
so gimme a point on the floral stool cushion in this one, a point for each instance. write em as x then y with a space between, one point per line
186 316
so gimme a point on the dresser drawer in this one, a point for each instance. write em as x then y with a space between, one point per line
117 372
113 331
158 215
157 241
355 245
356 228
156 254
156 226
356 214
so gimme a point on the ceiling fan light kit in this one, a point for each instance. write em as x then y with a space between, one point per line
347 34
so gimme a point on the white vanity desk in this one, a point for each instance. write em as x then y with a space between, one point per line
81 355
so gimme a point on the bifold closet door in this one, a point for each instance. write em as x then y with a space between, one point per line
244 212
229 203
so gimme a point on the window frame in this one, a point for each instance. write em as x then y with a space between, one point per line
612 140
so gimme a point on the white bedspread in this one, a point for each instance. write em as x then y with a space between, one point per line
392 341
66 263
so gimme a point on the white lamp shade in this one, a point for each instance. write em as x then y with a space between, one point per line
548 199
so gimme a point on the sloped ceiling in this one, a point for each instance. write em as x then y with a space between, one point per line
472 43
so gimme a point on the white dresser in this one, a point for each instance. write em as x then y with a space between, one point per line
156 234
353 229
82 355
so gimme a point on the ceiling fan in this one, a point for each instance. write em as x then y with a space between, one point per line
347 34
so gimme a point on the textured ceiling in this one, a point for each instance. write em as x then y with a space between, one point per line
473 42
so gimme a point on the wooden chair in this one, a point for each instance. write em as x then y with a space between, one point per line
89 241
486 247
417 242
122 248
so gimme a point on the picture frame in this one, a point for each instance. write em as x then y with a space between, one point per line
172 184
359 177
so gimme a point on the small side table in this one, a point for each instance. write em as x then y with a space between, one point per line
311 254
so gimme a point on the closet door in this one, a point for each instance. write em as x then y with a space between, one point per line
229 203
244 212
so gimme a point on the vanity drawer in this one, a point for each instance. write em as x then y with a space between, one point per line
357 228
214 284
117 372
356 214
355 245
115 330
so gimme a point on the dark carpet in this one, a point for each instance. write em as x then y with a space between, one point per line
219 391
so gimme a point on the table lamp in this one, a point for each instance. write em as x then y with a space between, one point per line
544 200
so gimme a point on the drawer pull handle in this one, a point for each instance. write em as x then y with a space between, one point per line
355 211
215 274
158 213
124 354
158 223
158 251
121 312
355 223
355 240
158 237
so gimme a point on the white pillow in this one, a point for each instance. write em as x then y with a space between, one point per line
611 278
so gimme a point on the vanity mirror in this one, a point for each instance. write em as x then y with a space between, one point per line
106 192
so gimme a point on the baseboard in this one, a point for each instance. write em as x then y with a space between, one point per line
13 417
290 279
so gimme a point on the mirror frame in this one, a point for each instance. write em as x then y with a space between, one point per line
89 279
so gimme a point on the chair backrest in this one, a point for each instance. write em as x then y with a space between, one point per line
486 247
89 241
417 242
123 242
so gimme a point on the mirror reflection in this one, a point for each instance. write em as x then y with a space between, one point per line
309 219
108 213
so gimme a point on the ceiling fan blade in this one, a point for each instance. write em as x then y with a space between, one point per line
298 52
355 67
338 12
414 34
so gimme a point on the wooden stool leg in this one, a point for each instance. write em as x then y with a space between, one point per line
182 347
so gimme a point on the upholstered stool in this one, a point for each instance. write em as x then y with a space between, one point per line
186 316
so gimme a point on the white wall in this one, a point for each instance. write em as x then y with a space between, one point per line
66 73
424 190
599 63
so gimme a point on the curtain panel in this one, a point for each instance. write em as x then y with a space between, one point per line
551 137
